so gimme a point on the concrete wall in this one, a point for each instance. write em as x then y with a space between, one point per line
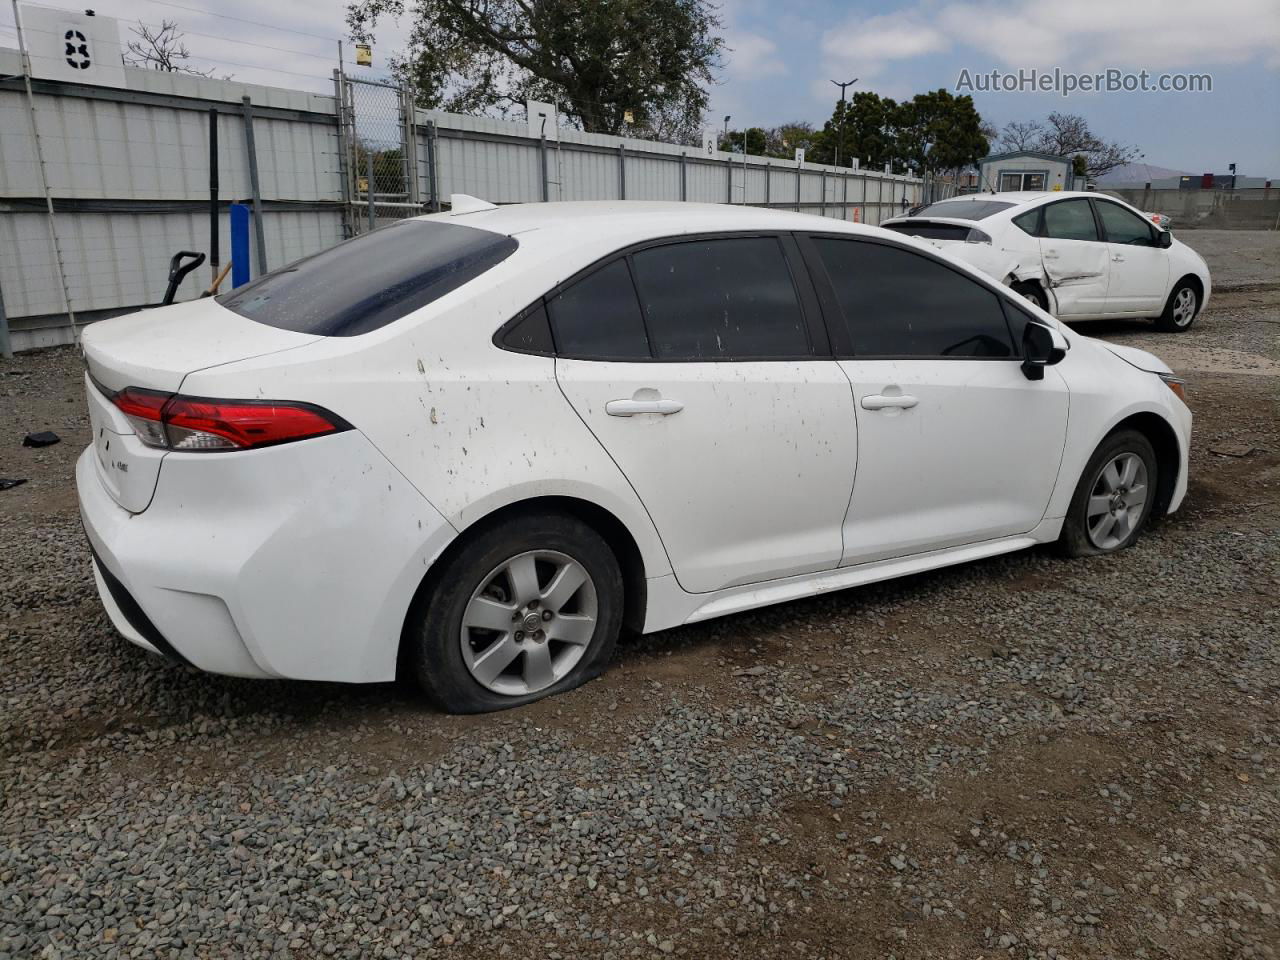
1255 209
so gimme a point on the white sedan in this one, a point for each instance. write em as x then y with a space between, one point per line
471 447
1080 256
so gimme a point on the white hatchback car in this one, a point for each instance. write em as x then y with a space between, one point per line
472 446
1080 256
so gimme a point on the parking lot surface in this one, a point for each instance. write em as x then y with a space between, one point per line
1028 756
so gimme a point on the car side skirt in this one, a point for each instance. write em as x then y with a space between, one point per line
669 606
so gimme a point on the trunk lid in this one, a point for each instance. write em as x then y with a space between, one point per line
155 350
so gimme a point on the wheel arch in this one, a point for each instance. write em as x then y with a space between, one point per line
614 532
1164 441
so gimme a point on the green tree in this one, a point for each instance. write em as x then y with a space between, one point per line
755 137
783 140
938 131
597 60
865 127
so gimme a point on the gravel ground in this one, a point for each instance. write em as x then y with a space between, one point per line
1024 757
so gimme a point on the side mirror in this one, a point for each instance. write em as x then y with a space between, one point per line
1041 347
1164 239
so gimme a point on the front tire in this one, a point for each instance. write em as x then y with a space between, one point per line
525 609
1181 310
1114 497
1033 292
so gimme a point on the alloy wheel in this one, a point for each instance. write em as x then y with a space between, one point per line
1184 307
1116 501
529 622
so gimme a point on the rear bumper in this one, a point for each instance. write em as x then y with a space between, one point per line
295 561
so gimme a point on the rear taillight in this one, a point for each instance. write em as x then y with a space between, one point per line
202 425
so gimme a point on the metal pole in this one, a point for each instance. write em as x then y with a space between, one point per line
622 172
798 175
767 177
6 348
840 127
409 97
251 153
343 172
823 208
44 179
213 196
844 198
542 159
728 179
433 156
684 176
369 191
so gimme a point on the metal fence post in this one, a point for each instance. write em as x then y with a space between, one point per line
213 196
684 176
622 172
6 348
433 156
251 152
823 208
767 177
542 161
728 179
798 175
54 245
369 188
344 173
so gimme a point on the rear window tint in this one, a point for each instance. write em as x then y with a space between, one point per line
372 280
931 231
963 209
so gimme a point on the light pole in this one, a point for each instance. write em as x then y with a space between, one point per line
727 118
840 132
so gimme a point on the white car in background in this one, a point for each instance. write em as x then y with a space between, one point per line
471 446
1080 256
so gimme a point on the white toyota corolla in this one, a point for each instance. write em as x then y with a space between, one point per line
473 446
1081 256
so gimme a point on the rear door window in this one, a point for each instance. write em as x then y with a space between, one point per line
372 280
598 317
720 299
1070 220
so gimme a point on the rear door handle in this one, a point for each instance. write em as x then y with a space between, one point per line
880 402
1117 258
629 408
1051 254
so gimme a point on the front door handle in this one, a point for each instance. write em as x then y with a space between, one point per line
880 402
629 408
1050 254
1117 258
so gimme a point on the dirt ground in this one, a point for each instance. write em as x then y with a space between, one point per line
1024 757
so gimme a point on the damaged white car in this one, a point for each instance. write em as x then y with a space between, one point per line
1080 256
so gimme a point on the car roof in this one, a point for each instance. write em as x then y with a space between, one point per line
629 221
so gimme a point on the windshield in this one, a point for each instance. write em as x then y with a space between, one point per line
974 209
369 281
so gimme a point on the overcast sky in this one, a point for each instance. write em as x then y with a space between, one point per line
784 53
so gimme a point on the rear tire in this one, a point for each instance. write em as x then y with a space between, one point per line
1181 310
505 624
1114 497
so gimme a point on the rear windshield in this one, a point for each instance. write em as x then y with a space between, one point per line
963 209
369 281
931 231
